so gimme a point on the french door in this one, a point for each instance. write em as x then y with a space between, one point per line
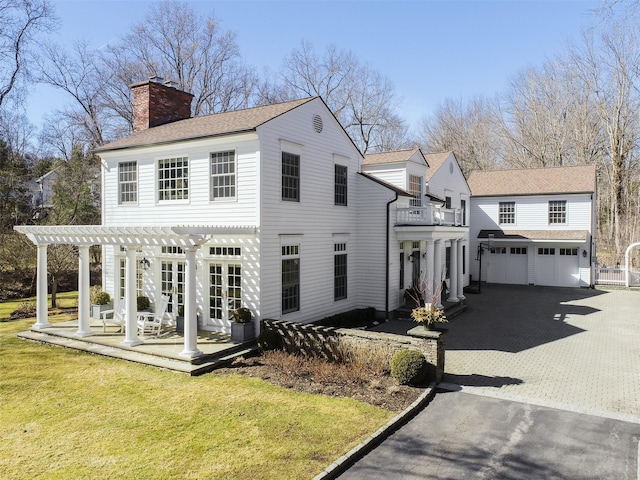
225 291
173 272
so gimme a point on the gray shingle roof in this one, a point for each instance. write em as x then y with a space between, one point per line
205 126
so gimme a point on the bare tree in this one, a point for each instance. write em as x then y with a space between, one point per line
362 99
468 129
20 23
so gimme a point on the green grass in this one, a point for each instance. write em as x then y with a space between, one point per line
67 414
63 300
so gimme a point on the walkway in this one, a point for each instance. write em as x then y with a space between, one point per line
575 349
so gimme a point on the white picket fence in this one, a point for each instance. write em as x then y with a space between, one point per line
616 276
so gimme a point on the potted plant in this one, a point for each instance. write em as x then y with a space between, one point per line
99 302
428 315
143 303
242 328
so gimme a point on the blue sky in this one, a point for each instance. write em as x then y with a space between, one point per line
431 50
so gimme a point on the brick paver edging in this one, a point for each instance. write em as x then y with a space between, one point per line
356 453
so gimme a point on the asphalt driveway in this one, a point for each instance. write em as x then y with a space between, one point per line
575 349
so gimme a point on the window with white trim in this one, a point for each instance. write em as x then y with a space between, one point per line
415 189
173 178
340 193
223 174
340 271
127 182
139 278
507 212
498 250
290 177
290 278
557 211
518 250
546 251
569 251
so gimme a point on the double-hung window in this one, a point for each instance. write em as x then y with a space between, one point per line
415 189
340 193
290 177
557 211
506 212
173 178
127 182
340 271
290 278
223 175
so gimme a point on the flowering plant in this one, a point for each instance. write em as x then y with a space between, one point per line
428 315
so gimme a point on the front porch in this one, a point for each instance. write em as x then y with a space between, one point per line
161 352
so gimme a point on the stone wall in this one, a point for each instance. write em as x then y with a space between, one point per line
313 340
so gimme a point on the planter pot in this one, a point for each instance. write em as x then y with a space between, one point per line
96 310
242 332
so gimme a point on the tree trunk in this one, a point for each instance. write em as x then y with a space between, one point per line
54 290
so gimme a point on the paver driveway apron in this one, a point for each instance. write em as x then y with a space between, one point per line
570 348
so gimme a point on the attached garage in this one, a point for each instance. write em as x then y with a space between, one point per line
507 265
557 266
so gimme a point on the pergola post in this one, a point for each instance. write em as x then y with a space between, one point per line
437 277
42 302
453 273
461 261
84 327
190 310
131 306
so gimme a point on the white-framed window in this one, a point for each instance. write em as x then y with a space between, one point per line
340 191
339 271
225 251
569 251
557 211
415 188
507 212
127 182
290 278
463 207
498 250
223 175
290 177
139 278
546 251
518 250
173 178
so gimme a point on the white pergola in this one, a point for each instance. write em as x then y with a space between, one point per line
190 238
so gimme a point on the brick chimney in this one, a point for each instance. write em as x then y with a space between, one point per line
156 102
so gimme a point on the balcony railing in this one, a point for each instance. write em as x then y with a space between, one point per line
429 215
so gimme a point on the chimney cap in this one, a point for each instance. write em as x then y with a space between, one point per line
171 83
156 79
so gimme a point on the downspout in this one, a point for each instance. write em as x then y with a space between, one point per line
386 295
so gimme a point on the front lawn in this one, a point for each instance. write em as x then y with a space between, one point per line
67 414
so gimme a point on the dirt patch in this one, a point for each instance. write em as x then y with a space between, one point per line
320 377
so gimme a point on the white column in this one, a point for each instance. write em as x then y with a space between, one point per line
131 338
461 261
42 302
437 274
190 312
84 327
429 264
453 272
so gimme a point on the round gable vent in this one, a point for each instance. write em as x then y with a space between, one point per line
317 123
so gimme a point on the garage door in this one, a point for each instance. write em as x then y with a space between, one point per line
557 267
507 265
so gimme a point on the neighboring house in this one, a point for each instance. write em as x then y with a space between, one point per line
41 190
534 226
430 234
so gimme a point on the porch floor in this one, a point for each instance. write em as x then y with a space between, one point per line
162 352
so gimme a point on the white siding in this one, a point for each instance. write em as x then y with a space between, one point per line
449 180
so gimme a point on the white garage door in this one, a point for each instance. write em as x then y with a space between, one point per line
557 267
507 265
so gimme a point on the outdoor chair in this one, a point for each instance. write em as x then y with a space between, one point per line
115 316
150 323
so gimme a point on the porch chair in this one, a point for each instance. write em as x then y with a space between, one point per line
151 323
115 316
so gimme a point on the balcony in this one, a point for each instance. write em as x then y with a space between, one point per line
429 215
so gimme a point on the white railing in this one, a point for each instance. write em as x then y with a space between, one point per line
610 275
429 215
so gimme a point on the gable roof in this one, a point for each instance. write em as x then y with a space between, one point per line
238 121
533 181
397 156
435 161
393 188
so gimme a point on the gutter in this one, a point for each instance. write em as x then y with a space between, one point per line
388 255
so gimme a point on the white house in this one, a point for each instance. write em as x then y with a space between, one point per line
534 226
429 236
266 208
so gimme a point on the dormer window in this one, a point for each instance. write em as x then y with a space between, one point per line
415 188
